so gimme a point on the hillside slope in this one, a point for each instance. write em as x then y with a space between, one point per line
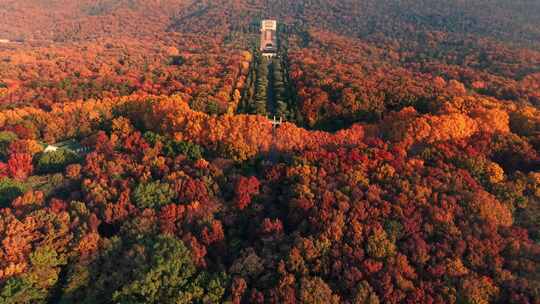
149 153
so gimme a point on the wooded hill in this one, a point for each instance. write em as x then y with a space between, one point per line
407 169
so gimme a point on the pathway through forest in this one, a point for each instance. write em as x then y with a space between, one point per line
268 89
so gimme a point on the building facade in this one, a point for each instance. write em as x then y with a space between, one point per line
269 38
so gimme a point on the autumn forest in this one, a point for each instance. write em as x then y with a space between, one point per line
151 153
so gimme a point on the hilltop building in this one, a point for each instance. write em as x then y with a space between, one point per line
269 38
